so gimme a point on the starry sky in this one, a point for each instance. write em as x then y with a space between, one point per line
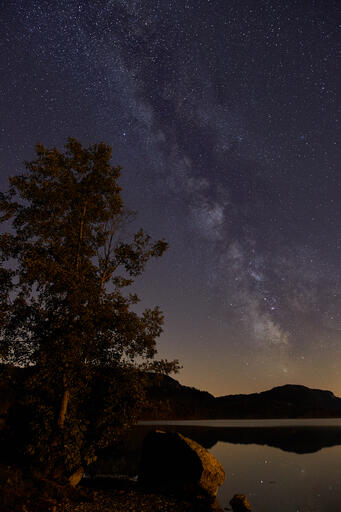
224 117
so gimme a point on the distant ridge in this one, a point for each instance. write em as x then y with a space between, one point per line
168 399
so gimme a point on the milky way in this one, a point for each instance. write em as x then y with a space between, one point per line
223 115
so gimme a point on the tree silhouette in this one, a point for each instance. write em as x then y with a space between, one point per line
64 315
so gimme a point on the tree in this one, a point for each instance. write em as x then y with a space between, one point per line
64 315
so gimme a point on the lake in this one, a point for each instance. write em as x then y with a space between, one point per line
281 465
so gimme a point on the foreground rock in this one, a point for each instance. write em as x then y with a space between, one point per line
172 461
239 503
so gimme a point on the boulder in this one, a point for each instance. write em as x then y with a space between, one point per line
172 461
239 503
76 477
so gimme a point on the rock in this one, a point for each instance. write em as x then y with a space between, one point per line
76 477
172 461
239 503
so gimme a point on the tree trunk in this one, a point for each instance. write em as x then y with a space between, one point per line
80 235
63 408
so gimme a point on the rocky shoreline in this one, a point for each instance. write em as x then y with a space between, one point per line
20 493
176 474
127 496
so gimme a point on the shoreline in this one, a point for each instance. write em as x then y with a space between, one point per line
92 495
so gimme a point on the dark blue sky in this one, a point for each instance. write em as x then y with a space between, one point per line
224 116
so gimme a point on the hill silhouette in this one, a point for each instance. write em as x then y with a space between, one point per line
168 399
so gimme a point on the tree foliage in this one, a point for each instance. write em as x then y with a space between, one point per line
66 312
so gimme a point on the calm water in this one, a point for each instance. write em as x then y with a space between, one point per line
281 465
316 422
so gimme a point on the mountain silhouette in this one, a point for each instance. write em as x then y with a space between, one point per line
168 399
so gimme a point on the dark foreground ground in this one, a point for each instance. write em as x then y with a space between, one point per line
19 493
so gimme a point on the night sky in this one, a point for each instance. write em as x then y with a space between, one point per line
224 117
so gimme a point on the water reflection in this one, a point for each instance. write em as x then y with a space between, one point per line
292 438
274 480
290 467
